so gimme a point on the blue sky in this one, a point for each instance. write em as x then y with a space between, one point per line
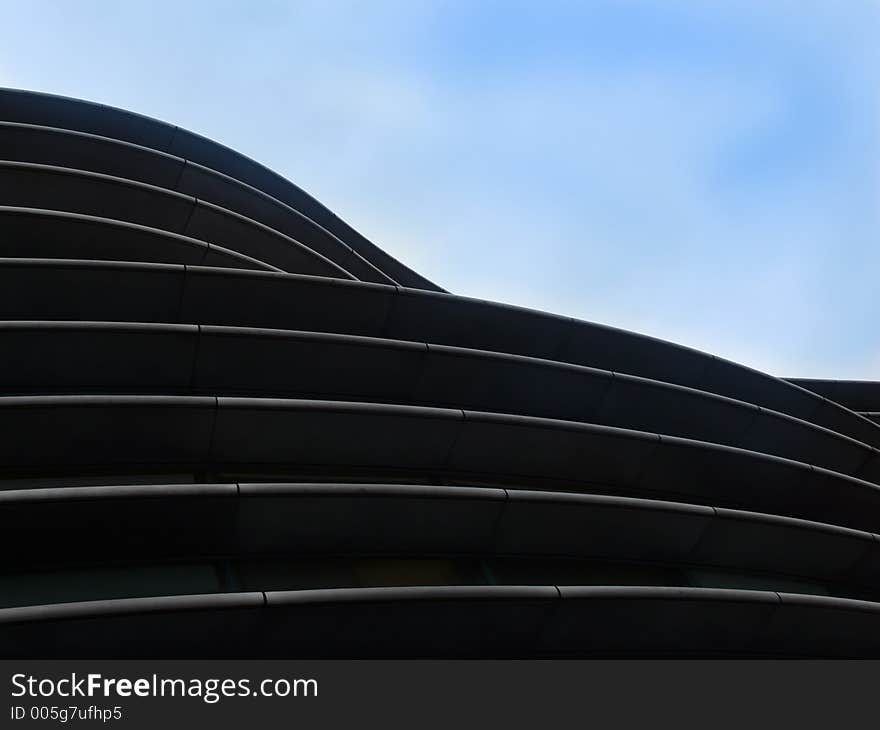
707 172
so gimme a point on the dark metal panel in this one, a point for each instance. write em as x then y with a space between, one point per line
796 439
95 356
596 526
825 627
90 290
224 297
854 503
735 381
867 569
648 405
219 256
614 349
449 320
64 189
281 362
726 476
840 419
116 524
67 431
320 433
211 223
40 233
521 446
66 148
231 194
493 621
870 468
59 188
651 622
748 541
19 105
346 518
857 395
168 627
511 384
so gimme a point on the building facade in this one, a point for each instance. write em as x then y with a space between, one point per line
232 426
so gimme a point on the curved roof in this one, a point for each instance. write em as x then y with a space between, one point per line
239 419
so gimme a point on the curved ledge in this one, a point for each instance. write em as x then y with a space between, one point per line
212 360
56 111
64 433
857 395
34 290
29 185
67 149
51 234
156 522
126 606
489 621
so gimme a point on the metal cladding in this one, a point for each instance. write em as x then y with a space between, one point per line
233 426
